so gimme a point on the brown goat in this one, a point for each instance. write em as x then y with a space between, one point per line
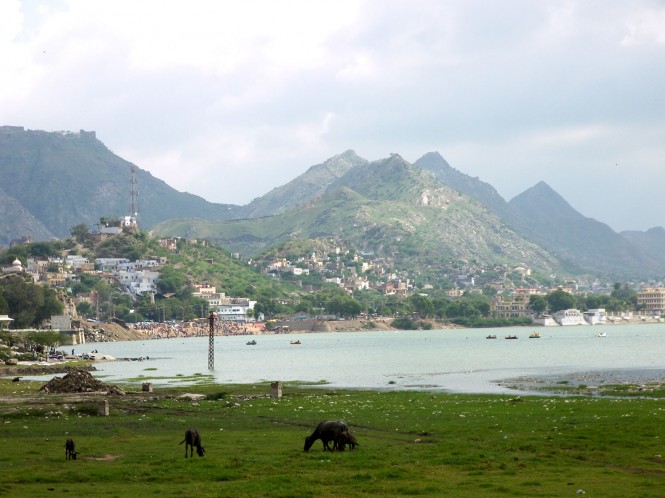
193 439
70 454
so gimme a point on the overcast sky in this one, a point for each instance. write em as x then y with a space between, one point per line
229 99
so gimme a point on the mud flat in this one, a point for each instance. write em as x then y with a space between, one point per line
591 382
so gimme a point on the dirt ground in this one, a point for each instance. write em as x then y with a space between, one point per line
78 381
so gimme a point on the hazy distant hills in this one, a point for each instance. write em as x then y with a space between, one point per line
425 215
16 219
55 181
543 216
555 225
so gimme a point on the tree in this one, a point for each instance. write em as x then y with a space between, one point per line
29 304
171 281
43 249
462 309
625 294
440 306
421 305
51 305
45 338
80 232
19 252
561 300
84 308
537 304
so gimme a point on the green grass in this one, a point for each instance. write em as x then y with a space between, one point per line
411 444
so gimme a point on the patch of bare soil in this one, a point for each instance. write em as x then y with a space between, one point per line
78 381
103 458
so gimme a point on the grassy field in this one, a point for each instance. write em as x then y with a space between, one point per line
411 444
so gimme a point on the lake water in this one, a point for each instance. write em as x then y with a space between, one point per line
438 360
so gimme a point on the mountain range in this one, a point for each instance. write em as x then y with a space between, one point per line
425 216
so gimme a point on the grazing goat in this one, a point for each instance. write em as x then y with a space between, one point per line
343 439
326 431
70 454
192 439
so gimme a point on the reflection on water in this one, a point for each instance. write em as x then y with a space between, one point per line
439 360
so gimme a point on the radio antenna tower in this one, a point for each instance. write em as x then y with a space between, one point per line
134 194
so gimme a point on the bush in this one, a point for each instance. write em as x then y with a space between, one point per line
404 324
409 324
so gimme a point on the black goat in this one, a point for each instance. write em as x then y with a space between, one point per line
70 454
193 439
326 431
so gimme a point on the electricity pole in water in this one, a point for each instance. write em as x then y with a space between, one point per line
211 340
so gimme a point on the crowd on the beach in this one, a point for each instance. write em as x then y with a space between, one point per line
154 330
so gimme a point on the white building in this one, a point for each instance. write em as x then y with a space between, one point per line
137 282
110 264
570 317
227 308
595 316
16 267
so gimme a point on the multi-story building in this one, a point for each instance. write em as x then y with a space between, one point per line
516 306
651 301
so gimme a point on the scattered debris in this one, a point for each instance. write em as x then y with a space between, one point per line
78 381
193 397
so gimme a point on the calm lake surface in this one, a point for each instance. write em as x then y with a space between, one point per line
436 360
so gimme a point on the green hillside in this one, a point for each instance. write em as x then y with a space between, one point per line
390 208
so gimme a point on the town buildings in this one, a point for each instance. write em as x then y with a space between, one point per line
651 301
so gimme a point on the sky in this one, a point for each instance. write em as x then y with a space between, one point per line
228 100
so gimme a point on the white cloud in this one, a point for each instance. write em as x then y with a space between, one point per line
245 96
646 26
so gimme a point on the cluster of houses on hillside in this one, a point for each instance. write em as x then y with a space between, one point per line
134 278
351 274
350 271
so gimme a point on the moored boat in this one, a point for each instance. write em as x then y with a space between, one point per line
511 337
490 337
296 342
251 343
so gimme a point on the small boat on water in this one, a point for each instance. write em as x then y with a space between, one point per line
511 337
490 337
251 343
296 342
535 335
601 334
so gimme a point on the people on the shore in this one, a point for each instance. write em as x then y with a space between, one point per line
196 328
